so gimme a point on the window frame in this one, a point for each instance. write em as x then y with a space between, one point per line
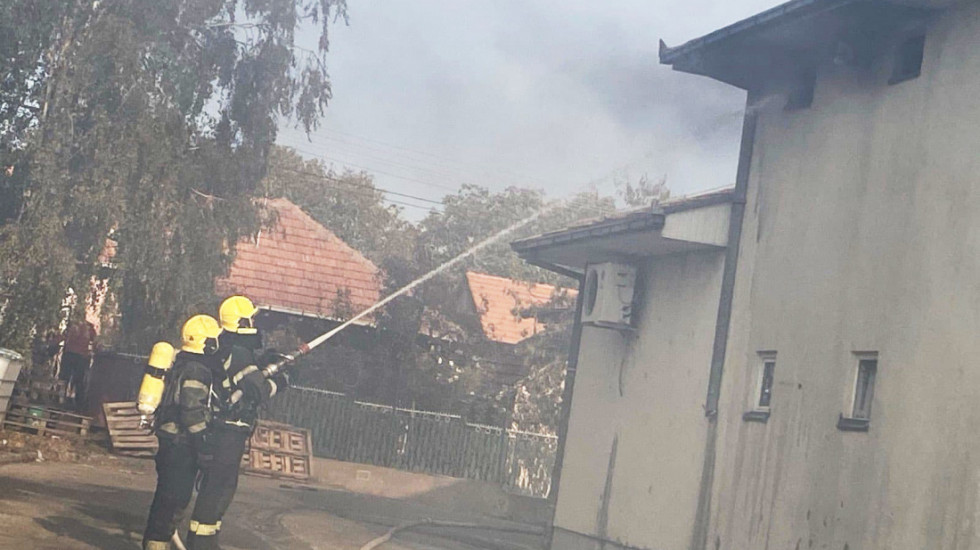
765 358
860 419
757 411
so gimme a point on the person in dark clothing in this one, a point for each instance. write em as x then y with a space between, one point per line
76 358
183 422
239 343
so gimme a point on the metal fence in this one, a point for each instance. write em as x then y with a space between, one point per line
418 441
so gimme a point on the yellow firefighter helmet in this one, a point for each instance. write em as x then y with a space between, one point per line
196 333
236 315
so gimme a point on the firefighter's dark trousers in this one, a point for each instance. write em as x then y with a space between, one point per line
218 485
176 472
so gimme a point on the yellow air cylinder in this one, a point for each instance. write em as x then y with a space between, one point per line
151 390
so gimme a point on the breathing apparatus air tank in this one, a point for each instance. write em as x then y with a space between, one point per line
151 390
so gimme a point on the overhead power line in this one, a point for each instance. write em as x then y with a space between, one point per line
437 169
492 169
367 187
373 169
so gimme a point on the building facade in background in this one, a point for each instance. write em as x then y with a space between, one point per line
837 388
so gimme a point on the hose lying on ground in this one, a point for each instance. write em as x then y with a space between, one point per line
376 543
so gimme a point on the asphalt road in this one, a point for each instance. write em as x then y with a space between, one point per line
58 506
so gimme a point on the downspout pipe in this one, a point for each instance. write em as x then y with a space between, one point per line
723 322
699 537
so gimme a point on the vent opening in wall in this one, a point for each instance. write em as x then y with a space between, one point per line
609 289
908 59
801 96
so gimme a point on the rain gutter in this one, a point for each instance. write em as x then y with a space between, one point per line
668 56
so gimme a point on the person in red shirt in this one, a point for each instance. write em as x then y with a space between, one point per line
77 357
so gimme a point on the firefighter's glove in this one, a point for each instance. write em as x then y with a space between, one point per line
253 386
281 379
269 357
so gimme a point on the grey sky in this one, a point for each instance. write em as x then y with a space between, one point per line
550 94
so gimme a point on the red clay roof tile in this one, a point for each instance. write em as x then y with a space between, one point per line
300 265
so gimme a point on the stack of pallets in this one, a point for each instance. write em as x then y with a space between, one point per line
279 451
125 434
43 420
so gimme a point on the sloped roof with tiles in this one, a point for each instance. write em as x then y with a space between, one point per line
496 299
298 266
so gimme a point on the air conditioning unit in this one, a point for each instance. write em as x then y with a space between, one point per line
609 295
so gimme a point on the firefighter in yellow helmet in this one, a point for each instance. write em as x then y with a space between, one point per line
183 422
240 342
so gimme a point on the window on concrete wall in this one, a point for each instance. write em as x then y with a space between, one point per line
864 388
801 96
762 396
865 375
908 59
767 371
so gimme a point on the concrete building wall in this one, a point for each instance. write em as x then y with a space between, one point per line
862 233
636 433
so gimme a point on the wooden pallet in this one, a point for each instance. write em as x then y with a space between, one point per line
281 438
279 451
125 434
43 420
275 465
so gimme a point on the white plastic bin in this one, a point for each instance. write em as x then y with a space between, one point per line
10 364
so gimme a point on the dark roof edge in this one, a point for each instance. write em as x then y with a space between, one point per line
721 196
668 56
642 220
637 221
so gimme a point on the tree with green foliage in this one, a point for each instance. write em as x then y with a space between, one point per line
151 120
475 213
468 217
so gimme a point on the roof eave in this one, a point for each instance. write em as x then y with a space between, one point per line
640 221
671 56
739 53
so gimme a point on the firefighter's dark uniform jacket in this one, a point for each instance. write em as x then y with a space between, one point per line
182 422
188 403
242 372
228 435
